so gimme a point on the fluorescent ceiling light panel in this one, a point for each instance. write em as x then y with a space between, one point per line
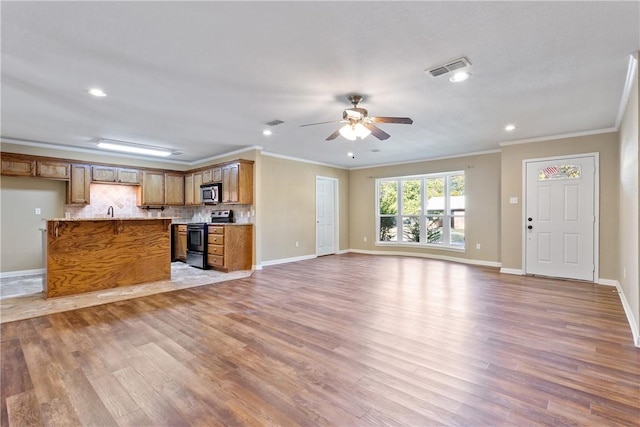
135 149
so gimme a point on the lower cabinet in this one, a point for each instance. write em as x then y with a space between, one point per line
179 242
230 247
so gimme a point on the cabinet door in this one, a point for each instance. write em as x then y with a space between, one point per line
103 174
53 170
78 187
230 174
128 176
188 189
207 176
245 184
174 189
17 166
180 242
152 188
197 182
217 174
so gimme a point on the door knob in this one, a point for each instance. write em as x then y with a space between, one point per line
530 227
529 219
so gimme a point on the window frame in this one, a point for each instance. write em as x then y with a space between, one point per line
447 216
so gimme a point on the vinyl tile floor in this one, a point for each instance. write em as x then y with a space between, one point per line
21 297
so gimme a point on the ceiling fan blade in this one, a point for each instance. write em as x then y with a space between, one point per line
333 135
321 123
401 120
376 131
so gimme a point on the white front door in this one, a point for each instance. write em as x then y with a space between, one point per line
560 221
325 216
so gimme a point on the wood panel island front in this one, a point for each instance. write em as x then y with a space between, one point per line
84 255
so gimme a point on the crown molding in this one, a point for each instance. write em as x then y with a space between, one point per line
561 136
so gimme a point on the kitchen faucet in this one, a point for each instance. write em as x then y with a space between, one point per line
110 211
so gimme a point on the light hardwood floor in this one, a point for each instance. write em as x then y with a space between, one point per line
340 340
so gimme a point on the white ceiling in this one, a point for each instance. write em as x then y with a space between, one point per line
205 77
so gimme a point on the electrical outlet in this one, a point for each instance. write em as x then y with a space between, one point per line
38 212
477 245
365 238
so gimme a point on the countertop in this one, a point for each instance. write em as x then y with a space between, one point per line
117 218
173 220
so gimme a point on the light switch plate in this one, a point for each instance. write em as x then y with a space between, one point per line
513 200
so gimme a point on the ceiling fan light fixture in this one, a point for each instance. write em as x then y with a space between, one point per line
348 132
354 131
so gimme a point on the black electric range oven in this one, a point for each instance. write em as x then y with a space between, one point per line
197 238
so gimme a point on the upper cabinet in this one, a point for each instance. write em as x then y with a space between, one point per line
237 183
18 165
174 189
192 183
79 184
112 174
152 189
53 170
161 188
212 175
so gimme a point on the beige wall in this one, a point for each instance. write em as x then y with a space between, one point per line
482 216
628 215
20 237
287 207
512 222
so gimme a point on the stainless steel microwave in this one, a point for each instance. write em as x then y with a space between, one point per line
211 194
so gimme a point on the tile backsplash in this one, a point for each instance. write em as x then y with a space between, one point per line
123 200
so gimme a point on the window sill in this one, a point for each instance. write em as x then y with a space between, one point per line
421 246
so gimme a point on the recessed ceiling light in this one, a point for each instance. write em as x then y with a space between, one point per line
266 132
509 128
350 154
97 92
460 76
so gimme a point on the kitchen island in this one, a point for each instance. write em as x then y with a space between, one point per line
84 255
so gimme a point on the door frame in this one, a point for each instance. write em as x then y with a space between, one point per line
596 207
336 210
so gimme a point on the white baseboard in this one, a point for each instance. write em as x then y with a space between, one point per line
286 260
431 256
633 323
608 282
515 271
34 272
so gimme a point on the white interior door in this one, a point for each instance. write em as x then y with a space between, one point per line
560 217
325 216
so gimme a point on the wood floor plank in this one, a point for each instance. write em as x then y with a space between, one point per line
342 340
23 409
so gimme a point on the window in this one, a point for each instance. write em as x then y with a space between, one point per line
424 210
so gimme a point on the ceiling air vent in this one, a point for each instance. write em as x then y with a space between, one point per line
458 64
275 122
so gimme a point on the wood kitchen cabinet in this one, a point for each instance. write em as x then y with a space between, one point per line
192 182
151 191
114 174
17 165
53 170
79 185
212 175
237 183
174 189
230 247
180 242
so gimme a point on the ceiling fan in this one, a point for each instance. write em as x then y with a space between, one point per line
359 124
